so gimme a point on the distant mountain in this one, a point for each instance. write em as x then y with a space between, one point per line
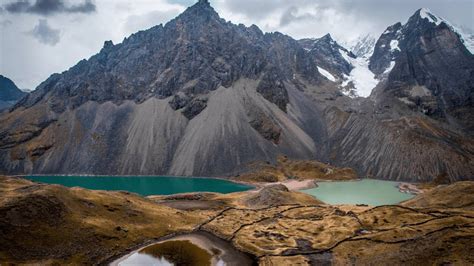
328 54
200 96
362 46
340 65
9 93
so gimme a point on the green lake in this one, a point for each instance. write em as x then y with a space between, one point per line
145 185
366 191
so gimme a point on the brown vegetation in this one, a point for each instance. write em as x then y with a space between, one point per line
51 224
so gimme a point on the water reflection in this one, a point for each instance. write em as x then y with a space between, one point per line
200 248
177 252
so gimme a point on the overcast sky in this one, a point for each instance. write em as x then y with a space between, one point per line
41 37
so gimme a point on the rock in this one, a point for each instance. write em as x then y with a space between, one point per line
274 195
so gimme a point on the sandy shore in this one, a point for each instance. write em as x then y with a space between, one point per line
409 188
298 184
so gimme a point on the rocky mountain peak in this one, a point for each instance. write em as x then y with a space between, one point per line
362 46
326 38
425 13
108 45
202 9
424 18
410 55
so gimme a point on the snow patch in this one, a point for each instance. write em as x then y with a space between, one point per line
363 79
394 45
389 68
425 13
326 73
466 38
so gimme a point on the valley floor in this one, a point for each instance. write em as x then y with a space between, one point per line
50 224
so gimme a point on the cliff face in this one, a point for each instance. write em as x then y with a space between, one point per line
432 71
201 96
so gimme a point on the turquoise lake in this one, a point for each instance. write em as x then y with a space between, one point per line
366 191
145 185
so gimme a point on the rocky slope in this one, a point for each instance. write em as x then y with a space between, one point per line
9 93
201 96
46 224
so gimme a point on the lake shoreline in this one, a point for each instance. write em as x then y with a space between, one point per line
291 184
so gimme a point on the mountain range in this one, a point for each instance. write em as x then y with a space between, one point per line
200 96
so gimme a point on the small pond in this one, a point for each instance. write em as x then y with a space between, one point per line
192 249
367 191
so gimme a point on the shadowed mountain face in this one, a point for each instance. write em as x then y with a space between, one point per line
432 71
9 93
327 54
202 96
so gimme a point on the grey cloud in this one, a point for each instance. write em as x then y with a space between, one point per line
291 15
18 6
255 9
5 23
49 7
45 34
380 13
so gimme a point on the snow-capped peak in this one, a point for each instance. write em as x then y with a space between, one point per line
362 46
466 38
425 13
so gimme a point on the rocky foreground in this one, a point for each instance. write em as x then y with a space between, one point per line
51 224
